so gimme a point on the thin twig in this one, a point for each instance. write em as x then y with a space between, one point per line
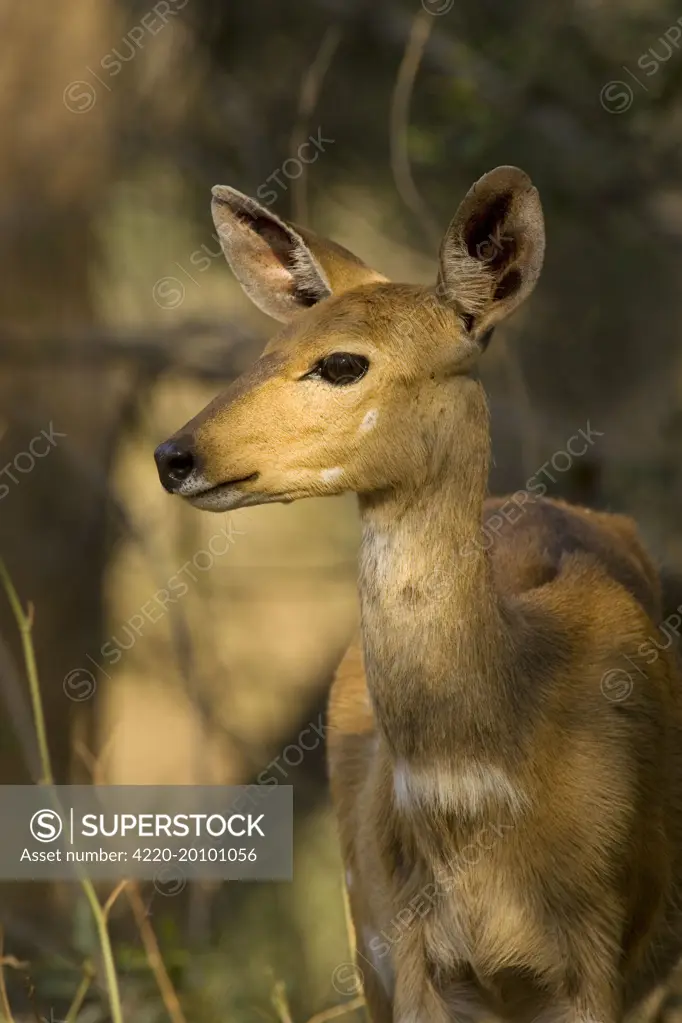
107 950
109 904
96 765
24 623
14 963
31 995
399 125
18 709
338 1010
154 958
90 762
5 1010
149 942
280 1002
79 997
310 91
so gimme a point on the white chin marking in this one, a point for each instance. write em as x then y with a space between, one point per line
226 498
327 475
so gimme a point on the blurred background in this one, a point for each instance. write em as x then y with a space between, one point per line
366 120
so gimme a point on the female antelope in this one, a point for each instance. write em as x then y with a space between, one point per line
511 833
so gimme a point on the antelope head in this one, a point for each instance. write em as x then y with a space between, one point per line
342 397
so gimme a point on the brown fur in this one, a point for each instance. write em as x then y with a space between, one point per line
586 793
505 745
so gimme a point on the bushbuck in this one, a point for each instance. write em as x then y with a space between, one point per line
510 821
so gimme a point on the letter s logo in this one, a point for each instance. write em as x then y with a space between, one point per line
46 825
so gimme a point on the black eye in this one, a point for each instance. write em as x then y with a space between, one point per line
341 368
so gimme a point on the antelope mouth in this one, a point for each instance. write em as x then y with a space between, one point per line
220 495
235 482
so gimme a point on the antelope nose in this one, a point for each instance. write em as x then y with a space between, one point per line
175 463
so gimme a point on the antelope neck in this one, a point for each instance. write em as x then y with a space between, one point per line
436 637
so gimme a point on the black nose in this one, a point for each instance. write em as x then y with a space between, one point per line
175 463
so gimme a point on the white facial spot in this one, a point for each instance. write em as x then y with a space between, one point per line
464 790
370 420
349 879
327 475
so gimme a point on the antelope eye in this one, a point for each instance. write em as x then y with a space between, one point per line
341 368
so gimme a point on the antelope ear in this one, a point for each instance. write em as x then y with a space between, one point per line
282 268
492 253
